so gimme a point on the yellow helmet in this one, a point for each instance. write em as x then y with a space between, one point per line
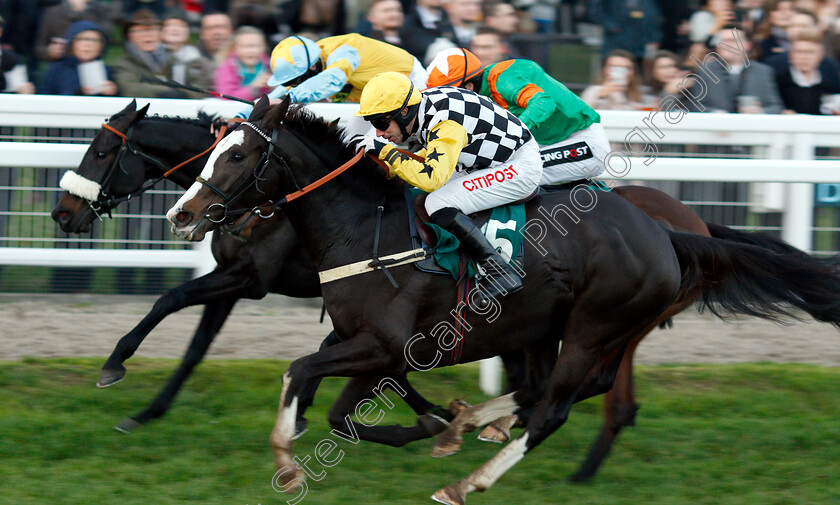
387 92
292 58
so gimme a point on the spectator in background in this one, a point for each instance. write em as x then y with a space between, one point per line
261 14
753 14
705 23
145 56
675 25
188 67
489 46
464 16
665 76
50 44
215 32
244 73
425 24
86 44
386 18
773 32
12 70
316 18
500 15
131 6
21 29
619 87
743 89
632 25
804 74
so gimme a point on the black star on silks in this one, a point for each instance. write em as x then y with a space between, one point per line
432 136
427 169
434 155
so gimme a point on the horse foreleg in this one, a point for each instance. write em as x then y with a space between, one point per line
215 314
216 285
363 396
362 355
433 417
570 372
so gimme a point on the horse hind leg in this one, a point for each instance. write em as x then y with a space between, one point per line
572 368
539 360
586 365
620 410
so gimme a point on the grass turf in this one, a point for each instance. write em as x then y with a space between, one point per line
763 434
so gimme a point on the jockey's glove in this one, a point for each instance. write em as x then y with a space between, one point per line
371 145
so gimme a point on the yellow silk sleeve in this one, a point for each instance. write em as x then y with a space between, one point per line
445 142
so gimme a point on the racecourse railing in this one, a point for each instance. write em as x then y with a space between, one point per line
747 171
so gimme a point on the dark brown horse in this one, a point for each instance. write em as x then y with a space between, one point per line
598 288
270 262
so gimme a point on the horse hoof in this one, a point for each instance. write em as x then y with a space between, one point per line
287 479
457 405
494 433
432 424
300 428
449 496
446 446
127 425
109 377
581 478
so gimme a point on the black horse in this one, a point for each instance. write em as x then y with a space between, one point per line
270 259
595 287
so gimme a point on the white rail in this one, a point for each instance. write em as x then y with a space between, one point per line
789 141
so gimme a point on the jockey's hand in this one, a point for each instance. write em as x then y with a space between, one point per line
368 144
216 126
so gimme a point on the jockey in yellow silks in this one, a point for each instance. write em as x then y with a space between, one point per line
335 69
476 156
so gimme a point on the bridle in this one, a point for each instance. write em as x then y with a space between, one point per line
105 202
255 177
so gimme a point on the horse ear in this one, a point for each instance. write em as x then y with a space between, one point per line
142 112
283 108
260 108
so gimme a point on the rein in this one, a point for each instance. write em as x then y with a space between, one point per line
109 202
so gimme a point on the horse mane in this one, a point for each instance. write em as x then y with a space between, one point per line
326 137
203 120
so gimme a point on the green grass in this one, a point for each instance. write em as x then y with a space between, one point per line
754 434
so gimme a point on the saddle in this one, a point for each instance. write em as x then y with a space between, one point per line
422 235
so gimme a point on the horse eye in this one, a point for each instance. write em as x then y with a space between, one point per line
100 155
237 157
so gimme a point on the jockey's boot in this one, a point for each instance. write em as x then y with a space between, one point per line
498 278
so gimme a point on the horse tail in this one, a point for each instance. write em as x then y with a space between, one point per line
747 279
759 239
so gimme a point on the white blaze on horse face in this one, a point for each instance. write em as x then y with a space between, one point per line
234 139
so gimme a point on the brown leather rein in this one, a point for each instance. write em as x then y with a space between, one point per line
219 137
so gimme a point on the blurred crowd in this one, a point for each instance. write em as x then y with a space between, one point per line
749 56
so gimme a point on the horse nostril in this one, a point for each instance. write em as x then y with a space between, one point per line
183 217
61 216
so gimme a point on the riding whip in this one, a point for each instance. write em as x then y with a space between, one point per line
174 84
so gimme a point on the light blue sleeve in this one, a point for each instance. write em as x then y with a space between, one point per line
331 80
278 92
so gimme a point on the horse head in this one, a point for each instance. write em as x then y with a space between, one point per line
241 173
98 174
130 150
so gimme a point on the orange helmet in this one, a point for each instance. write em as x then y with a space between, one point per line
453 67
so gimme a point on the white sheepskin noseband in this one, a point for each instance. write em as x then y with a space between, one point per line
77 185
